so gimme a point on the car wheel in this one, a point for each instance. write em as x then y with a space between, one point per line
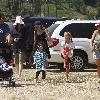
78 62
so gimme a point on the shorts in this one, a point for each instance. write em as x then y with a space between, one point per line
96 55
18 57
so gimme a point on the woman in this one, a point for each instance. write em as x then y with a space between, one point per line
40 35
19 37
95 47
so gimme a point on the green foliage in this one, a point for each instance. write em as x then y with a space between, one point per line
71 9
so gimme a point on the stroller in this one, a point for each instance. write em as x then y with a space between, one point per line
6 64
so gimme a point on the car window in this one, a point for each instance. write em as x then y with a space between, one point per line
52 27
46 21
79 30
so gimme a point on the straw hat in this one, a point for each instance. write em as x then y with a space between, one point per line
18 20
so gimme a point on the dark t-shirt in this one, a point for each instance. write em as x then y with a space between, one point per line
26 33
29 36
4 30
22 35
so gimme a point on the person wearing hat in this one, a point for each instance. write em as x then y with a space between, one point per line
41 35
5 35
19 38
95 47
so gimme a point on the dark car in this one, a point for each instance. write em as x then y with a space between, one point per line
46 21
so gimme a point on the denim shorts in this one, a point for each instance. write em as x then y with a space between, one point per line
96 55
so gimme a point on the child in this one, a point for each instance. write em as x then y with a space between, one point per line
67 47
3 65
40 57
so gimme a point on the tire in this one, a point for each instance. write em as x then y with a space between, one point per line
78 61
11 83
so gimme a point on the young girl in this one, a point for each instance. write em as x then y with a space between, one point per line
40 57
67 47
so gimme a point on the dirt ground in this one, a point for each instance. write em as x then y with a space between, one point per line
82 86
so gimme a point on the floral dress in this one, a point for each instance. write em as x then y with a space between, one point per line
40 59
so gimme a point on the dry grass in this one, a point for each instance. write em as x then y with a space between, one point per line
82 86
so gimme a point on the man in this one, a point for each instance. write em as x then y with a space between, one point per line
4 30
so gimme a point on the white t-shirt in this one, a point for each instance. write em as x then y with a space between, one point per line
67 45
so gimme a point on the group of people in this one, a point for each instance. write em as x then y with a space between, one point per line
30 42
26 42
67 48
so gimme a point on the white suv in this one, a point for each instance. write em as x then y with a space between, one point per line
81 31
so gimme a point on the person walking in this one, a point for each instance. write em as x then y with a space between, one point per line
18 45
40 57
67 47
40 35
95 47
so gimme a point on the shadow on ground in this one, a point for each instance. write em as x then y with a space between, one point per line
17 85
58 67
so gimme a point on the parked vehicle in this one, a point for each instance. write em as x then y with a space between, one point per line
81 31
46 21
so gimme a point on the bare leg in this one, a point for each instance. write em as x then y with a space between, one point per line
65 62
98 67
20 63
17 68
16 58
67 68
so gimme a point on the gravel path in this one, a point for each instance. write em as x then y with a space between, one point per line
82 86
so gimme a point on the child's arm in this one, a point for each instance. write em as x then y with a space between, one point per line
71 53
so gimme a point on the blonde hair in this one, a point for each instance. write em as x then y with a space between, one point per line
70 36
